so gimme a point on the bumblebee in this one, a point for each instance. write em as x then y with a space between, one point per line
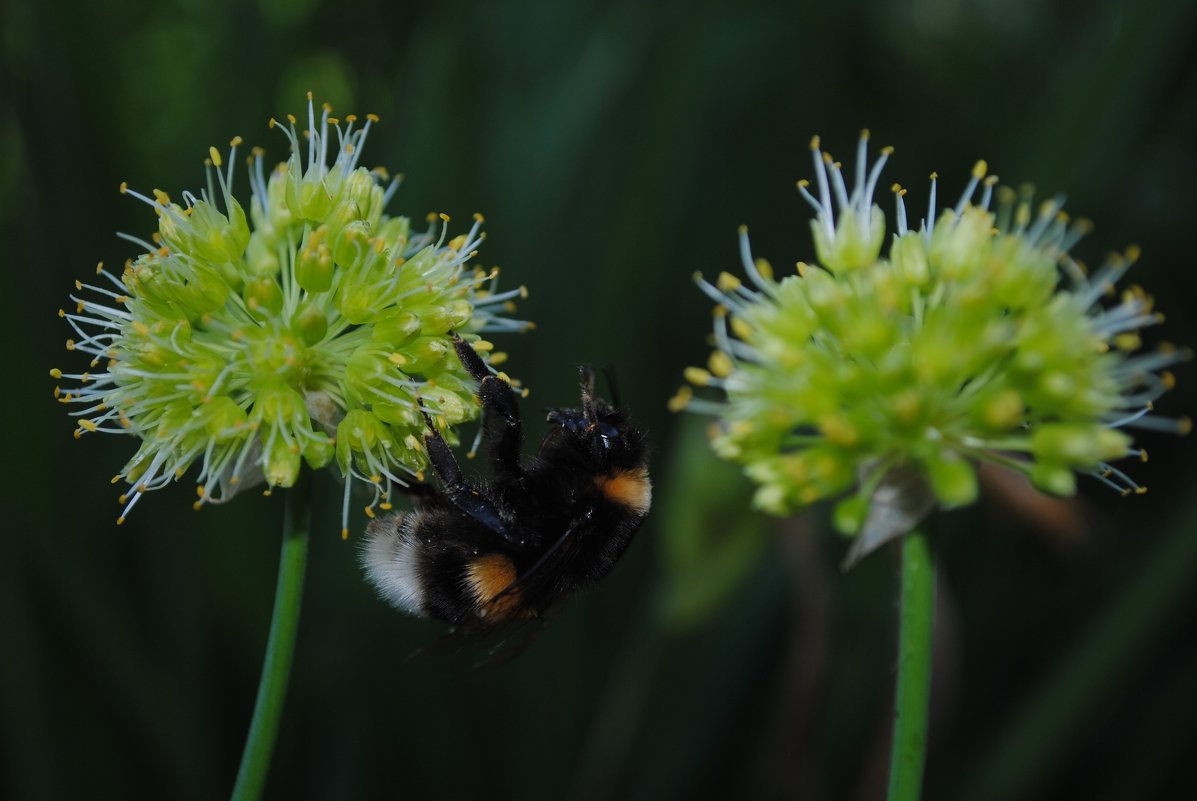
539 528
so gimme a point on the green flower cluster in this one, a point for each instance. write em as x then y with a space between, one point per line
976 337
314 329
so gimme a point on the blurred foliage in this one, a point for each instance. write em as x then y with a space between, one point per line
614 148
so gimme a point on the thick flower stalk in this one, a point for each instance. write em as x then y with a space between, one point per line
975 337
312 329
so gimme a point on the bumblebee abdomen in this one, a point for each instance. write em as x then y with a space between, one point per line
393 561
491 580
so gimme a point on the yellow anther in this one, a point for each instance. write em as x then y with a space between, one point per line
386 506
162 197
681 400
727 282
697 376
344 534
980 168
814 142
124 187
1127 341
802 266
888 150
309 95
372 118
764 268
397 359
721 364
479 218
236 141
291 118
214 154
1132 253
140 328
56 373
803 184
350 118
87 425
334 121
740 328
273 122
864 134
934 176
444 217
78 285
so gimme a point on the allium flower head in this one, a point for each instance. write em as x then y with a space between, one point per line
975 337
313 328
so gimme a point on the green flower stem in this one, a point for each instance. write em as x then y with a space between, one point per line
280 647
916 626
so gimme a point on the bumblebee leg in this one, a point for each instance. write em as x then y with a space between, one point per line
457 490
501 426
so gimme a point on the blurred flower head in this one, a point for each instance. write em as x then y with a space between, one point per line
975 337
312 328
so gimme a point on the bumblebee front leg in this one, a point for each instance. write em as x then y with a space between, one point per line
501 426
457 489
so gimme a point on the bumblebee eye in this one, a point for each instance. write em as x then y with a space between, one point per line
607 433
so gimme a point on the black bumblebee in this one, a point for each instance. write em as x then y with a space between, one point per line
476 554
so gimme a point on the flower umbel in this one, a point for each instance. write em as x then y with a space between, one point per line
314 329
976 337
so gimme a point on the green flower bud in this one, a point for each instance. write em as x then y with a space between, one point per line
263 297
282 462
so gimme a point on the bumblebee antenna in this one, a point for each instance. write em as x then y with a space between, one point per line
612 385
586 376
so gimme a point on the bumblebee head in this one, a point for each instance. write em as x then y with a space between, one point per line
602 429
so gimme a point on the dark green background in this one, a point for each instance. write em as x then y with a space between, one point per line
614 149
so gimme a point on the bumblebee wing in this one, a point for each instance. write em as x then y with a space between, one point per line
484 646
535 586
